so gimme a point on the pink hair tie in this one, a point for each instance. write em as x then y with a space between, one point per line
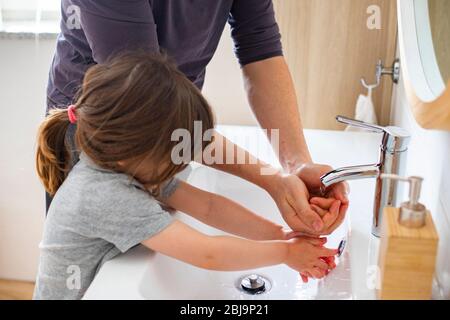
71 114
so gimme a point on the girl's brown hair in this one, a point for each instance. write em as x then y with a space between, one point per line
127 109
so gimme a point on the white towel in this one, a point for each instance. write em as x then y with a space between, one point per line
365 111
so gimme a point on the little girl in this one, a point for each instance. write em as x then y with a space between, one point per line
112 198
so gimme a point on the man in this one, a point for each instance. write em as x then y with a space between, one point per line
189 32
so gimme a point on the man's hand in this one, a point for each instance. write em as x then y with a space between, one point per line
292 198
318 217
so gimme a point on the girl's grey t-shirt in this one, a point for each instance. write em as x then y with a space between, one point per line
95 215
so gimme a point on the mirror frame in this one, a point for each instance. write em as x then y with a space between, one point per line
426 91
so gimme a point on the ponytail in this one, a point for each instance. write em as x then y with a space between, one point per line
53 157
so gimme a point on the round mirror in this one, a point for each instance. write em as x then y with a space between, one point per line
424 42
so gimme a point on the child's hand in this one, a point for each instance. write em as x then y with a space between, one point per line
318 274
308 255
329 210
289 234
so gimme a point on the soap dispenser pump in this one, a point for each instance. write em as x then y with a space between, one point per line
408 247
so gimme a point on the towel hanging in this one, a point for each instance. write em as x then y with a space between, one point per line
365 109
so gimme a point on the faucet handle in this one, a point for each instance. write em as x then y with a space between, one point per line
360 124
395 139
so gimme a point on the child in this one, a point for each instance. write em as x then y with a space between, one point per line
125 114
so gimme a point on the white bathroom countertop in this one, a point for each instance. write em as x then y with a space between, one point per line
128 277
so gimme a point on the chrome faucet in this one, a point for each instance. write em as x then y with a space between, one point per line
392 159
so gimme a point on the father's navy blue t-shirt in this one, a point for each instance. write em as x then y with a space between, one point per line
187 30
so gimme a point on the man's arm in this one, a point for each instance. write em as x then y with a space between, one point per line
270 90
272 97
271 94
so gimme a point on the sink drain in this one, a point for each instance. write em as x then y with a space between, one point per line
254 284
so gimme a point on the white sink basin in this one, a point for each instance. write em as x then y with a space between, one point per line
142 274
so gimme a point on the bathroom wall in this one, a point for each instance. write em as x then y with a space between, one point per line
429 157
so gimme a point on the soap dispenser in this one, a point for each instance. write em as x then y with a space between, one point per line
408 247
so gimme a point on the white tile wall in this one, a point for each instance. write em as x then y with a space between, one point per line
429 157
23 77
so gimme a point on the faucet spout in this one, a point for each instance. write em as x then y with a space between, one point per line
392 158
350 173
